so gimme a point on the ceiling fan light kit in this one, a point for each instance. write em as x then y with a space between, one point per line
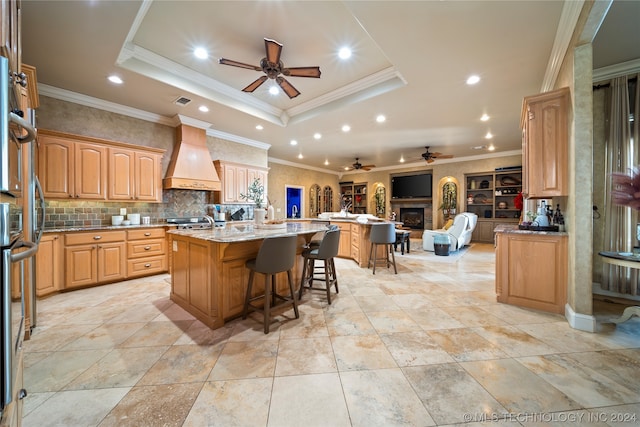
274 69
431 157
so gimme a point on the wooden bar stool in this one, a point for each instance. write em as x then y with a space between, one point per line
382 234
276 255
325 252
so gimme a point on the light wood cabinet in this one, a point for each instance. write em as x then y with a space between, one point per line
483 231
10 39
146 251
531 270
74 166
49 265
94 257
344 247
72 170
134 175
236 178
545 144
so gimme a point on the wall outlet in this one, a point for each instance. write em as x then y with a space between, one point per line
123 211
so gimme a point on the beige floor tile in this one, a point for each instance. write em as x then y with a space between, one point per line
434 318
107 335
57 336
182 364
58 369
450 394
517 388
122 367
465 345
151 406
355 353
200 334
621 366
415 348
392 321
383 397
75 408
473 316
237 403
514 341
310 324
349 323
563 337
582 384
308 400
305 356
157 333
370 303
245 359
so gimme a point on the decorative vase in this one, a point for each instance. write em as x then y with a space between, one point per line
343 213
259 215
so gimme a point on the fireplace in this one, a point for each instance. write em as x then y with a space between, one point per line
412 218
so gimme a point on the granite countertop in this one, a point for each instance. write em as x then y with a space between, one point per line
513 229
70 228
233 232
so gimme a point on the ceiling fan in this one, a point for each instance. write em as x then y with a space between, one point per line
430 157
274 69
359 166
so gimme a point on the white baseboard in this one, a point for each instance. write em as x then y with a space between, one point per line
582 322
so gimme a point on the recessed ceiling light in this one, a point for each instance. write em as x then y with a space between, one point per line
489 135
293 142
203 108
473 80
491 147
485 117
346 128
317 135
273 90
200 53
300 156
344 53
401 159
259 127
115 79
326 162
381 118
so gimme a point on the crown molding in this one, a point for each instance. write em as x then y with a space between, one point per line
616 70
568 20
301 166
239 139
89 101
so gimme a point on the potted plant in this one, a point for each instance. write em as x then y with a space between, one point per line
255 194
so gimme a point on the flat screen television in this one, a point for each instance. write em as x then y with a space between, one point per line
411 186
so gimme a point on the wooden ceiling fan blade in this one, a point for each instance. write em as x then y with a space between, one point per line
287 87
430 160
273 50
225 61
302 72
445 156
256 84
367 167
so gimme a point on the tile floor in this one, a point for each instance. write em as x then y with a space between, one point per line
429 346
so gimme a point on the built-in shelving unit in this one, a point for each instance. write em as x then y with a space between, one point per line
490 195
354 195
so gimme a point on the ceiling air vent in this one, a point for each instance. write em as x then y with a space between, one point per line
182 101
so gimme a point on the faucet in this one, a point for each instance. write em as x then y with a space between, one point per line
210 220
294 211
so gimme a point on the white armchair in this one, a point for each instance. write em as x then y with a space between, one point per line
459 233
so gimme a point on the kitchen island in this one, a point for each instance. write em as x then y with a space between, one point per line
208 274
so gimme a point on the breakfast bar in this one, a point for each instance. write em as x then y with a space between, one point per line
208 273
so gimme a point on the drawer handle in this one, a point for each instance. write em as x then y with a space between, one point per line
97 237
147 234
146 248
147 265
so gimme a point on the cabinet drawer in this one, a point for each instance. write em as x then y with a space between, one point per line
344 226
94 237
355 252
144 248
145 233
144 266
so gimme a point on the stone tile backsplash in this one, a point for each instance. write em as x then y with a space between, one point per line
175 203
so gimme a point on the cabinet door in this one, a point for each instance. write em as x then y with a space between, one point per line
148 183
547 144
81 266
112 263
199 274
235 289
121 174
230 193
344 248
56 171
90 171
242 183
48 265
180 272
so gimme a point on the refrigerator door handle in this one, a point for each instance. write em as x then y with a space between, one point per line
31 132
33 248
42 207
